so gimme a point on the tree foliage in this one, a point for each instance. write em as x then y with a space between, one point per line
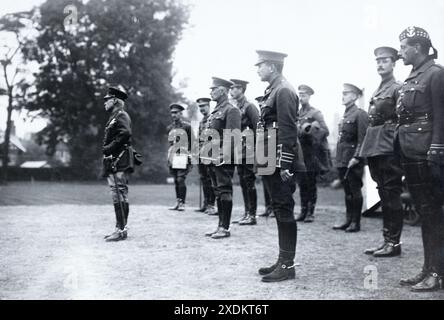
130 43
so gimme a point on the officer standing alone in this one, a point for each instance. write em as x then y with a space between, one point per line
117 163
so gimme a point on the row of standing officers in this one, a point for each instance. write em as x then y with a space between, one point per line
402 134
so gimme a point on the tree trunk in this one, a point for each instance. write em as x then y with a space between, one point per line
5 159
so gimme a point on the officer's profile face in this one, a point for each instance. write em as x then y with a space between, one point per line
348 97
204 109
109 104
385 65
408 52
265 71
304 97
216 93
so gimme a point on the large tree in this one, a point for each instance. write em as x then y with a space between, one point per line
101 43
14 77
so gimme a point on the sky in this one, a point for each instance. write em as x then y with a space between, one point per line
327 42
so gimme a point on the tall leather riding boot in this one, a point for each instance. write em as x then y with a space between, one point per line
301 216
119 218
348 215
395 225
245 198
252 197
284 268
176 187
126 208
227 207
211 197
355 224
310 212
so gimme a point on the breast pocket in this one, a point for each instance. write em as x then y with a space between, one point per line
348 132
217 121
413 95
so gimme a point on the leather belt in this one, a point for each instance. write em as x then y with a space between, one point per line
412 118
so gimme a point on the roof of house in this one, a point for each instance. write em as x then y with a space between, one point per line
35 164
13 140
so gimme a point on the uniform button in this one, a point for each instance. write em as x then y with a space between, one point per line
412 89
441 152
419 129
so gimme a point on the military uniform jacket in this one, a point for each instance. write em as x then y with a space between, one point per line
422 94
249 120
175 129
249 115
314 141
279 109
203 124
352 129
382 120
224 116
116 139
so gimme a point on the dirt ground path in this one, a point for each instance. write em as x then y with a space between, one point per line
58 252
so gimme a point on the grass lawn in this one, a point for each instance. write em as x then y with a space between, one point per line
53 248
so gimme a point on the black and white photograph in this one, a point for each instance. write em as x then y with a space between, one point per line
240 151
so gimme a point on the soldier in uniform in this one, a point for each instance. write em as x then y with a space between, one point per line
267 198
419 140
247 176
350 167
224 117
312 132
117 163
377 147
204 169
279 112
176 130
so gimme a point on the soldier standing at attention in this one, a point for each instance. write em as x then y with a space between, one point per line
177 129
205 169
352 130
247 176
279 112
267 198
117 163
224 117
377 147
419 139
313 133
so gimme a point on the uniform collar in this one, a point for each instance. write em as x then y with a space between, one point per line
221 103
351 108
420 69
241 103
306 109
387 83
275 82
